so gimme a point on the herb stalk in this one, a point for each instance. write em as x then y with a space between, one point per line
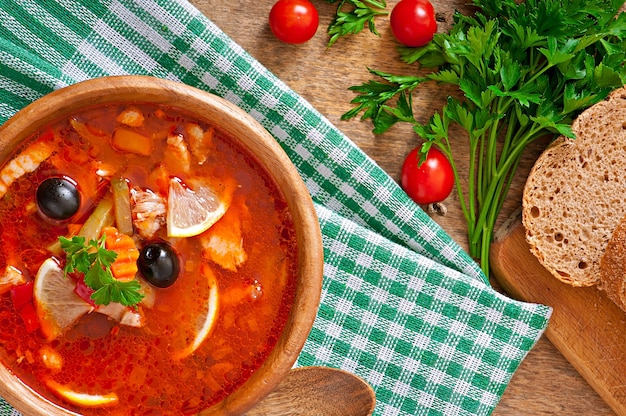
523 71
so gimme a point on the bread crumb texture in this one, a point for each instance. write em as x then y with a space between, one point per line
574 197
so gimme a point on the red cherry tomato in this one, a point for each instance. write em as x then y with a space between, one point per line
293 21
429 182
413 22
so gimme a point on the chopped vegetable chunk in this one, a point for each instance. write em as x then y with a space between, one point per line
132 141
181 247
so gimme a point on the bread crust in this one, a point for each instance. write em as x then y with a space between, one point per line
575 194
613 267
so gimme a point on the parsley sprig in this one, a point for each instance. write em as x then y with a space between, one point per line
524 70
94 261
353 15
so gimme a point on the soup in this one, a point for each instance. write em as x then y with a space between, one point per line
148 262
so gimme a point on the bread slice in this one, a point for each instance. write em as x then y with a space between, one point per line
575 195
613 267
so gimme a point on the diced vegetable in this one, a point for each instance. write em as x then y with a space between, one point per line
86 133
100 218
94 261
128 140
84 291
73 229
124 267
22 296
121 204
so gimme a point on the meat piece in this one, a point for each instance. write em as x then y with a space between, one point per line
149 210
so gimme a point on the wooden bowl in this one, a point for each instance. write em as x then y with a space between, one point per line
253 136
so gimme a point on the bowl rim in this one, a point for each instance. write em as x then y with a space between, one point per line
238 123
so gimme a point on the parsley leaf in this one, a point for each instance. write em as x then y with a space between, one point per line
126 293
524 70
94 261
353 15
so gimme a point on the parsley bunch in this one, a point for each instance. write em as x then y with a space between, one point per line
524 70
94 261
353 15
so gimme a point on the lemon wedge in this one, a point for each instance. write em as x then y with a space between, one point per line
206 320
58 307
82 399
193 211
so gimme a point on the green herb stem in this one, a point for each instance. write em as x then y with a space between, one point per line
352 16
93 260
526 70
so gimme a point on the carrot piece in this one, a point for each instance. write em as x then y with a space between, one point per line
121 271
128 140
124 267
73 229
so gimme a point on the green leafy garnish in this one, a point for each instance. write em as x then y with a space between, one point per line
524 70
353 15
94 261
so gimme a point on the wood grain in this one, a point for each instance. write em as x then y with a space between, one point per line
546 383
309 391
586 326
242 127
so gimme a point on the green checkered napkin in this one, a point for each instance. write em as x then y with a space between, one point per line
403 306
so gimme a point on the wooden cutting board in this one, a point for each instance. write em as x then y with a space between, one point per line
586 327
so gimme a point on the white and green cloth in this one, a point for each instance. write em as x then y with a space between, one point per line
403 306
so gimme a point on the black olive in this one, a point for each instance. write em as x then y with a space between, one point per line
158 263
58 198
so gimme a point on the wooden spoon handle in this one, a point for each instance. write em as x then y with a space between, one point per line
309 391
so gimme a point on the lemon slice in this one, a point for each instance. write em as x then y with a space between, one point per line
82 399
192 212
206 320
58 307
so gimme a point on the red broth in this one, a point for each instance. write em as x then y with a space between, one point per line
143 366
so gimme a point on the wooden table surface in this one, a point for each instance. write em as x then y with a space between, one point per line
545 383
